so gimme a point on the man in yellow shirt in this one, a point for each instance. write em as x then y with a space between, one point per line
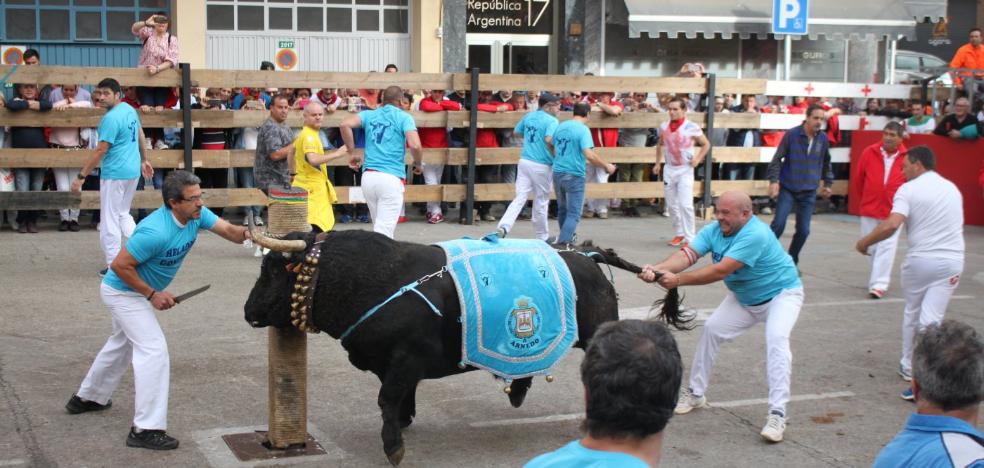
308 170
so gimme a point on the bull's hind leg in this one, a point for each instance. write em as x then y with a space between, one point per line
408 409
518 389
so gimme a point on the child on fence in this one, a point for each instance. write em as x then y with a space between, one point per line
212 139
26 97
68 138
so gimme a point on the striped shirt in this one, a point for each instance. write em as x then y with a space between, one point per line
800 163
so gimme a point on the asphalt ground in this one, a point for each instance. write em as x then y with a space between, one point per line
52 323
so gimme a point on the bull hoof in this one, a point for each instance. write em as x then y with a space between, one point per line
516 399
397 456
405 423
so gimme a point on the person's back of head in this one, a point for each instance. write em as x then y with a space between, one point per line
581 110
948 366
393 95
631 374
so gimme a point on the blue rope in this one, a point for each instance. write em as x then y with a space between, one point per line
611 274
410 287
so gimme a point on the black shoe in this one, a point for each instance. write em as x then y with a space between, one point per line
77 405
151 439
103 271
74 226
63 226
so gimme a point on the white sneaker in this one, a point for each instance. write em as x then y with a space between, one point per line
774 427
148 143
688 402
160 145
766 210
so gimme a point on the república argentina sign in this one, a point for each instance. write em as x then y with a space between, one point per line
510 16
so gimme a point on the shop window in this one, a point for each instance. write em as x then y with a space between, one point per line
220 18
310 19
21 24
344 16
338 19
88 26
281 18
54 25
396 21
250 18
367 20
118 24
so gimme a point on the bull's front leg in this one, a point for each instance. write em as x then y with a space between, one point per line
408 409
400 380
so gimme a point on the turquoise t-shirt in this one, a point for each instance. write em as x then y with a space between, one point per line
535 127
575 454
120 127
569 141
767 269
386 140
159 245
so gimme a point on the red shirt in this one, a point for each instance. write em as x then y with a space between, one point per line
606 137
486 136
876 194
435 137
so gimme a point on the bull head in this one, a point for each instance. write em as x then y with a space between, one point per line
276 245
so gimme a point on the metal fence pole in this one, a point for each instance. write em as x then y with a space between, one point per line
187 133
708 160
472 136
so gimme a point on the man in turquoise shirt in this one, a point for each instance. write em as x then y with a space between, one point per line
947 380
763 286
573 145
389 131
631 374
121 158
135 286
533 174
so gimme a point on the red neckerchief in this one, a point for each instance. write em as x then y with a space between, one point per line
675 124
329 99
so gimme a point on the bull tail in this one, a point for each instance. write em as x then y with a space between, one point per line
669 307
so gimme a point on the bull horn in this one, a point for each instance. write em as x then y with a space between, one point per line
276 245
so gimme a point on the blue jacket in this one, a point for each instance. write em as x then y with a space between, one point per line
798 167
934 441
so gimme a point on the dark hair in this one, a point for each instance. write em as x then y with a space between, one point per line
678 100
28 53
812 108
923 155
948 365
110 83
266 65
393 95
581 109
390 65
895 127
968 33
631 374
278 97
175 183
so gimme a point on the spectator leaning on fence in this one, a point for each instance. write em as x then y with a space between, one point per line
28 179
160 52
633 138
68 138
960 124
274 145
122 158
970 56
435 137
948 386
919 123
603 138
801 162
32 58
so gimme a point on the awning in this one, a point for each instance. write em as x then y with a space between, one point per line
834 19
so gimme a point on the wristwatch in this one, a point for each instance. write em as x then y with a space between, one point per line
80 176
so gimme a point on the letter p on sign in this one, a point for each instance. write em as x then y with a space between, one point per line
789 16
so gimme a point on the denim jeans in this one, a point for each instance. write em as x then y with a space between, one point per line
244 179
570 203
28 180
801 201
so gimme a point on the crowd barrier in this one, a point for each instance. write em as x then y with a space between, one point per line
184 78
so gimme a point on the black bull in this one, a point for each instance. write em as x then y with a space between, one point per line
405 341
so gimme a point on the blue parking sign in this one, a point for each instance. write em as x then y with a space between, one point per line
790 16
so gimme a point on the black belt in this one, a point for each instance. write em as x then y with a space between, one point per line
763 302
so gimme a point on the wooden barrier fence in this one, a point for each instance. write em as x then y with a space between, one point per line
166 159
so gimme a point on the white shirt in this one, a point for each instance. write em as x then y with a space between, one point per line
924 128
889 160
933 208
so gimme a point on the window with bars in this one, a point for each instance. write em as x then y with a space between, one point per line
309 16
89 21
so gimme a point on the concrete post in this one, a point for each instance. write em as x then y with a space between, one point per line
862 61
454 47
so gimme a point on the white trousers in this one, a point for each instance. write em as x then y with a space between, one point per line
538 179
136 338
63 181
384 195
731 319
595 174
115 222
679 193
432 176
927 283
881 255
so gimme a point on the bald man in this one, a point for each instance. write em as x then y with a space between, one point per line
308 169
763 286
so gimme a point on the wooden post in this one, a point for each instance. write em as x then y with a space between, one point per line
187 132
469 204
709 158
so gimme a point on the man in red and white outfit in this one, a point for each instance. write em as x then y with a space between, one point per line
435 137
603 138
679 139
880 176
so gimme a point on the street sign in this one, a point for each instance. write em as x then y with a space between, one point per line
790 16
285 58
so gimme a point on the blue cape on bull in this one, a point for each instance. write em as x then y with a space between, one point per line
327 282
